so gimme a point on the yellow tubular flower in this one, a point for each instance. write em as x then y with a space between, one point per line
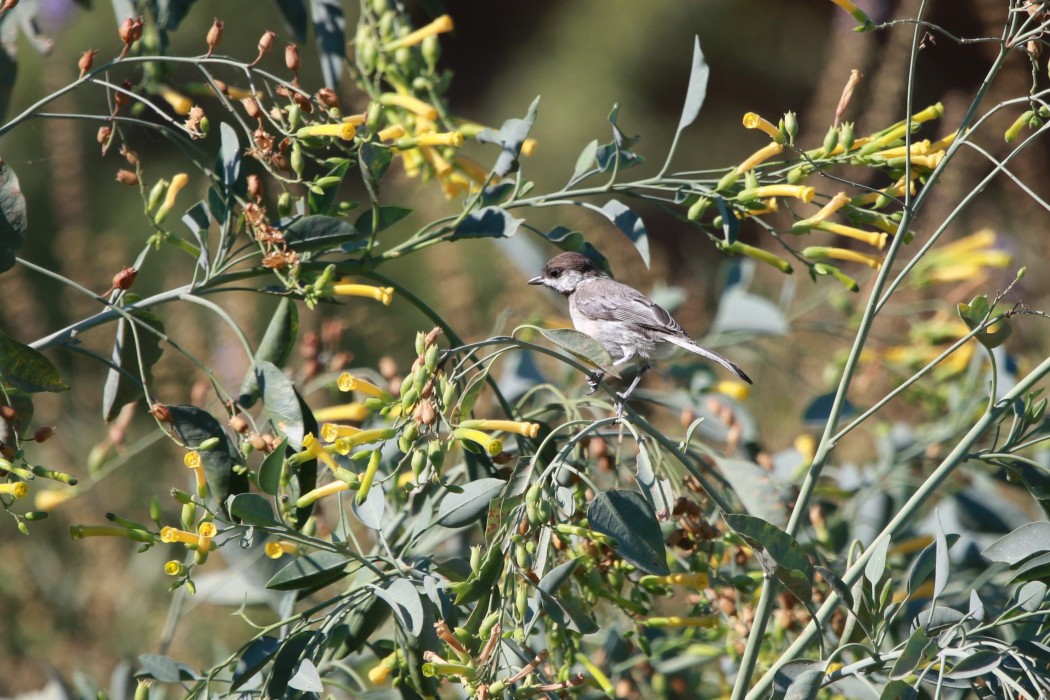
454 185
834 204
171 535
439 26
379 673
675 621
180 104
178 182
192 460
530 430
309 497
79 532
18 489
49 499
353 411
696 580
806 446
407 102
471 169
343 130
825 253
174 568
317 450
921 148
441 166
380 294
528 147
754 121
205 531
760 156
802 192
875 240
275 549
732 389
430 139
486 441
857 13
344 445
391 132
369 476
943 143
354 119
330 432
984 238
411 160
348 382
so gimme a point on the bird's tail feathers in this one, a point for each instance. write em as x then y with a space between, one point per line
709 354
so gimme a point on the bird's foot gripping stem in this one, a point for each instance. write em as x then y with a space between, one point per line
593 380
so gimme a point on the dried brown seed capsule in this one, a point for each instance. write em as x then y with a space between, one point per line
239 424
125 278
327 97
291 58
255 187
126 177
214 35
266 41
44 433
104 134
87 59
251 106
160 412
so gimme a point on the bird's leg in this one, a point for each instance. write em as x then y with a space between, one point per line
593 380
626 394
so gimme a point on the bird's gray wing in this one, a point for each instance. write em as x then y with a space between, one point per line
613 301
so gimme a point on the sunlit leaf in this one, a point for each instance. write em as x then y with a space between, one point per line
13 223
286 661
270 469
310 571
280 402
25 369
913 654
463 508
509 138
193 426
124 380
581 346
404 601
697 91
165 669
252 509
275 347
792 566
388 216
490 222
1029 539
630 224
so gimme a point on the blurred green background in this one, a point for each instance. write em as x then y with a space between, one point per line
84 606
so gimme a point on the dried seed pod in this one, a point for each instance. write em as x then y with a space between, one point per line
214 35
126 177
291 58
87 59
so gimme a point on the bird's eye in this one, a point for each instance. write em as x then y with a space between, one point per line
555 273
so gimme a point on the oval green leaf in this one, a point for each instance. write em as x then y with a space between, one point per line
626 517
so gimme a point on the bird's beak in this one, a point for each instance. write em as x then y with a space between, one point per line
536 280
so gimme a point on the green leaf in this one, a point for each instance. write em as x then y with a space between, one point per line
252 509
230 153
567 613
470 395
898 690
581 346
923 565
976 313
556 577
165 669
730 224
697 91
1029 539
761 495
25 369
198 220
791 566
193 426
286 661
626 517
306 678
13 222
509 138
255 656
330 33
875 567
805 686
404 601
978 663
275 347
270 469
585 163
310 571
913 654
366 618
325 201
281 403
376 159
630 224
466 506
170 13
490 222
124 385
323 232
388 216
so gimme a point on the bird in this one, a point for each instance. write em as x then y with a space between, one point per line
629 325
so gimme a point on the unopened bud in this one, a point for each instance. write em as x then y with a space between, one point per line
43 434
266 41
291 58
125 278
251 106
105 133
214 35
87 59
130 31
126 177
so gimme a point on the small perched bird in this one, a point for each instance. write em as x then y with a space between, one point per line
629 325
